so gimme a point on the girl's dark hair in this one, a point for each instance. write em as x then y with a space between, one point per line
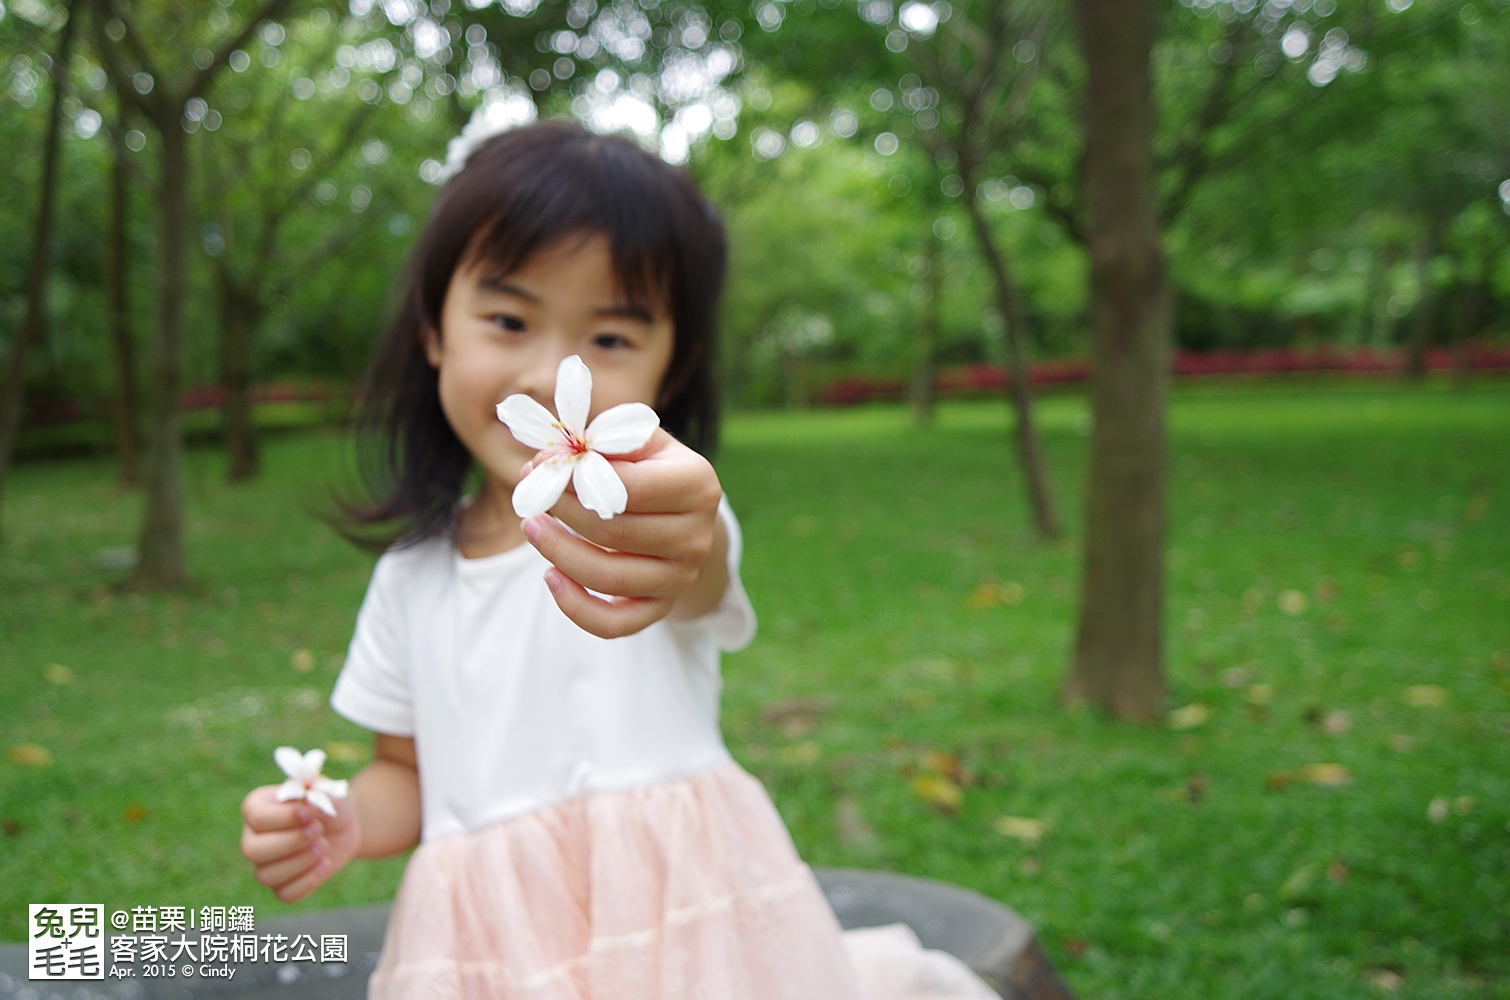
518 193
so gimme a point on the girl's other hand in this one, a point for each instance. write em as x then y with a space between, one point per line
293 847
664 556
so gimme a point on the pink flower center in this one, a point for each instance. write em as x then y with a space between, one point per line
572 448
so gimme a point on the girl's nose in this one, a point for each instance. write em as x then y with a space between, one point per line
537 378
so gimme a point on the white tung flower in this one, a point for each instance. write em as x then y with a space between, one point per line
305 780
573 449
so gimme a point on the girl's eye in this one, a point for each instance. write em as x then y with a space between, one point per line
511 323
610 341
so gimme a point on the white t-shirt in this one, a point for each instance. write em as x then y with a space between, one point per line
511 705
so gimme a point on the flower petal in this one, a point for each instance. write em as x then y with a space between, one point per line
290 789
322 802
332 787
539 491
599 487
573 393
314 763
291 761
622 429
529 422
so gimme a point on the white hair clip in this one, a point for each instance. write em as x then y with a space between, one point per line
494 116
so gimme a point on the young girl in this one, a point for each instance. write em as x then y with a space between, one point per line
544 693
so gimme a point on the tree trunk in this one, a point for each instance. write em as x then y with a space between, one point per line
127 435
920 394
1426 301
13 389
1471 301
1118 647
1382 336
161 563
1045 518
237 315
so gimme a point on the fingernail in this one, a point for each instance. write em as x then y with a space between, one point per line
532 529
526 469
318 847
553 581
312 831
323 867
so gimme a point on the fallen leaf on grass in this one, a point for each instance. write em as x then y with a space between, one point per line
938 791
1400 743
1337 872
10 826
1336 723
1195 788
1325 775
1260 694
134 813
30 755
1189 717
1436 811
1024 828
1425 696
1384 980
989 593
800 753
56 673
854 832
1075 946
1299 881
1293 602
777 711
948 765
303 661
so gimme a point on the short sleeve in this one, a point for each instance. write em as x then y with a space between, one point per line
373 688
733 621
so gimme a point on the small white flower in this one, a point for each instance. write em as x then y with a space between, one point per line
305 780
574 449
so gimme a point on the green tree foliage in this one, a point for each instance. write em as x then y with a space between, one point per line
1323 164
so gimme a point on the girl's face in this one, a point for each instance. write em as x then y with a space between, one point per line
502 336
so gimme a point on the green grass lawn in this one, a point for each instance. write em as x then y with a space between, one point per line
1339 594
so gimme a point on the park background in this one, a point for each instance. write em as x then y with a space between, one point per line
1306 791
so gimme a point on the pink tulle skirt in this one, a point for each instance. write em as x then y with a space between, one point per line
689 890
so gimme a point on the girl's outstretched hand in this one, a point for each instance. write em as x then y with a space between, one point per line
664 556
294 847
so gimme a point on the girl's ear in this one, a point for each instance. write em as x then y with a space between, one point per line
431 339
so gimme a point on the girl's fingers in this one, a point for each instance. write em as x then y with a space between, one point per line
260 848
263 813
665 477
621 574
670 480
604 619
665 536
276 874
304 883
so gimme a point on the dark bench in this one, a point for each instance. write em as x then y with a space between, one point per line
996 942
